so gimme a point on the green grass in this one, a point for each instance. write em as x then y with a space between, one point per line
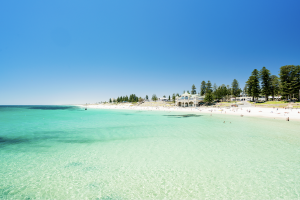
274 102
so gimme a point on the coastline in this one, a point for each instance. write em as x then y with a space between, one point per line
258 112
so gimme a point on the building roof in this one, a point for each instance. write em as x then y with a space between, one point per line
185 94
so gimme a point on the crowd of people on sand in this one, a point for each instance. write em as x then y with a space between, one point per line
243 111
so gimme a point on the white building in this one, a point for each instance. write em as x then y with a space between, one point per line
189 100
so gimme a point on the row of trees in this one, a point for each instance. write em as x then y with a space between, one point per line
222 92
131 98
214 92
263 83
290 80
134 98
259 83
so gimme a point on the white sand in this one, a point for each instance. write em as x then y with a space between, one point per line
280 113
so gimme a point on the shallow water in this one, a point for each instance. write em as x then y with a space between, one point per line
64 152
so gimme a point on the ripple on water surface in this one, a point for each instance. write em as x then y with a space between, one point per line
66 152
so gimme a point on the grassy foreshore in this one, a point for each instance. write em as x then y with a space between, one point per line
283 112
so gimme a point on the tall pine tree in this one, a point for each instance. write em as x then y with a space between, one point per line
208 97
203 88
235 88
296 81
208 87
274 86
193 91
287 80
253 84
265 77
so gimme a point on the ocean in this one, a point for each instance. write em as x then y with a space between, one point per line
66 152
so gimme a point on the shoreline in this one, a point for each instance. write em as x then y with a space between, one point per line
272 113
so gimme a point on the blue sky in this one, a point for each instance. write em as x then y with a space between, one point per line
61 52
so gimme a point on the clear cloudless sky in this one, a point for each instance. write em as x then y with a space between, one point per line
67 52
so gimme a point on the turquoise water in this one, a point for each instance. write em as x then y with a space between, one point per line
64 152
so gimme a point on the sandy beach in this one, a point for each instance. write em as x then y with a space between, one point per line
274 113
